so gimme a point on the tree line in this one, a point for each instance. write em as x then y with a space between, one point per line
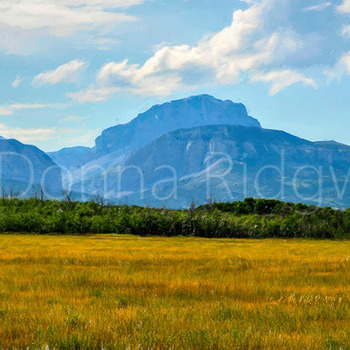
251 218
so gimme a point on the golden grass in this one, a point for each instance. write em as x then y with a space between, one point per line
126 292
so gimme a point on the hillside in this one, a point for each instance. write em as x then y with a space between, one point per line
186 113
189 139
72 158
202 152
26 169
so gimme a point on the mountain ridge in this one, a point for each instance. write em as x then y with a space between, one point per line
245 146
188 137
188 112
25 163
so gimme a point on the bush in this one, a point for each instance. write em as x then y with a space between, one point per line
252 218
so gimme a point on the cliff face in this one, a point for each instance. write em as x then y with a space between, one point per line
199 138
254 161
187 113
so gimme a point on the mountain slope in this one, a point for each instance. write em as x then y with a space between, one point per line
26 168
117 143
73 157
197 139
186 113
265 156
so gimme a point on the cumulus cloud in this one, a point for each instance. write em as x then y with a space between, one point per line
282 79
346 31
342 67
257 39
344 7
65 73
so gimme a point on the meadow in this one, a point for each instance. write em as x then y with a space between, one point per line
132 292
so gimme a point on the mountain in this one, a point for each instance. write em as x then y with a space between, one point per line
331 145
206 152
198 148
26 169
118 142
199 139
186 113
72 158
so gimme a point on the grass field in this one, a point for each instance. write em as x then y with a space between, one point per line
125 292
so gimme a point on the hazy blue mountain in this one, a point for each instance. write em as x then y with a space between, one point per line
117 143
191 136
72 158
186 113
331 145
197 152
21 163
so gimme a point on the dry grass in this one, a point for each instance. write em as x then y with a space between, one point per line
126 292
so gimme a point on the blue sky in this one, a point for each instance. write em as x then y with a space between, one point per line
71 68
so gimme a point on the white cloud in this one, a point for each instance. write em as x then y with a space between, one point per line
67 72
346 31
5 110
29 106
74 119
318 7
76 136
9 110
23 20
282 79
26 135
103 43
16 83
61 18
341 68
93 94
102 3
344 7
57 135
257 39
